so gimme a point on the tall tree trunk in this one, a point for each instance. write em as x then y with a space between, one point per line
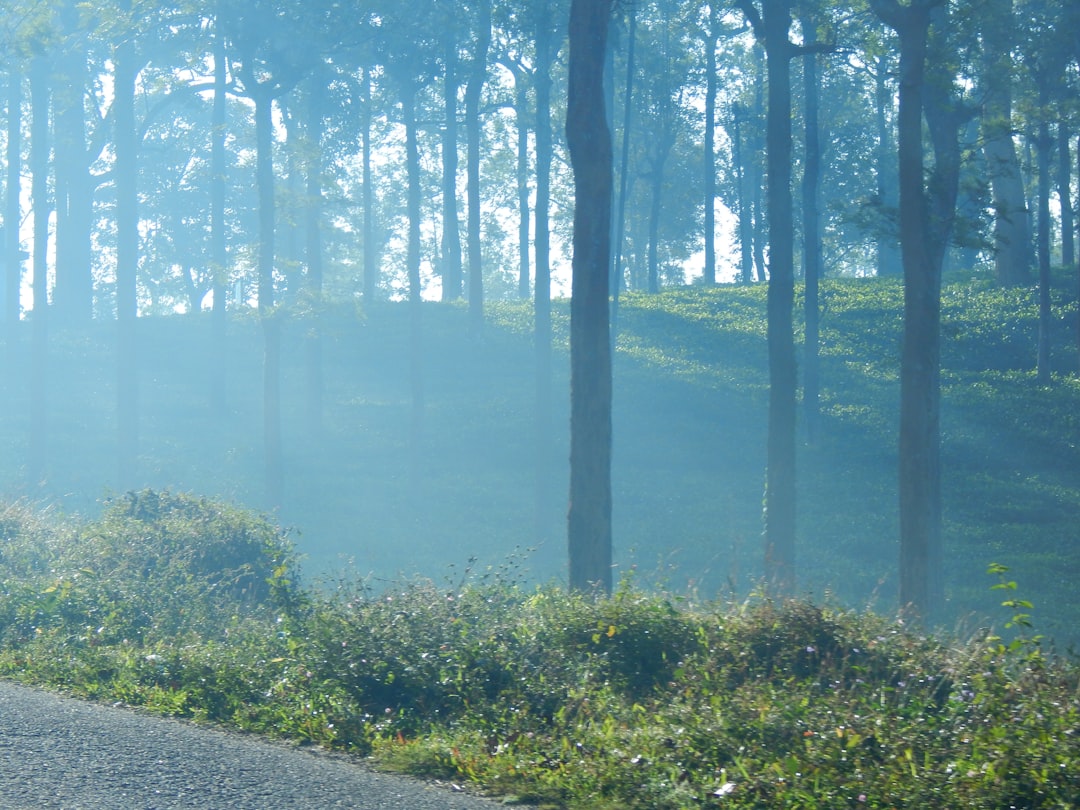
371 254
12 207
812 263
313 250
711 37
413 205
218 247
1043 145
1012 237
589 140
1068 222
617 275
746 216
759 230
268 318
920 464
451 236
655 199
780 473
473 89
521 108
546 50
925 225
888 253
73 292
127 262
39 201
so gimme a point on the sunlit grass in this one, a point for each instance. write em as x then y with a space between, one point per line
637 700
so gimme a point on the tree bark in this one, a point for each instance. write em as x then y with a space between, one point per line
780 474
1043 145
39 201
371 254
73 291
1012 237
546 50
617 275
451 236
925 225
711 37
13 208
218 246
812 263
888 253
589 140
521 120
473 89
1068 222
127 262
268 318
313 250
416 374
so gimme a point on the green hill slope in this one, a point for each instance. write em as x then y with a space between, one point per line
690 400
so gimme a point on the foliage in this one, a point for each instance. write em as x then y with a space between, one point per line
635 700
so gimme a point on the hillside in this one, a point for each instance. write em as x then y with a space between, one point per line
689 443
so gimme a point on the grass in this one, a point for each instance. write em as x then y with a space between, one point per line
190 607
690 417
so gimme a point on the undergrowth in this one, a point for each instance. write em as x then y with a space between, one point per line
189 607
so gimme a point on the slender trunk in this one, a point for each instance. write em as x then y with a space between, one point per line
545 51
920 499
313 250
12 207
1043 146
589 140
218 249
812 263
888 253
759 229
656 198
268 318
451 235
521 106
1012 238
127 262
925 225
39 201
746 217
617 275
1068 225
710 147
73 291
371 254
416 376
473 134
780 472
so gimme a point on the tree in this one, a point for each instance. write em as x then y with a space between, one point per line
125 70
473 89
711 35
771 27
74 186
12 246
589 141
451 234
271 56
1012 237
926 216
812 262
39 200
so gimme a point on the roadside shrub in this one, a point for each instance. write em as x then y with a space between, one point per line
156 564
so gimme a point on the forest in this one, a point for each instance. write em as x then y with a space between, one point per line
318 257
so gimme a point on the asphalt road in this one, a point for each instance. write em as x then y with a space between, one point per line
57 753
